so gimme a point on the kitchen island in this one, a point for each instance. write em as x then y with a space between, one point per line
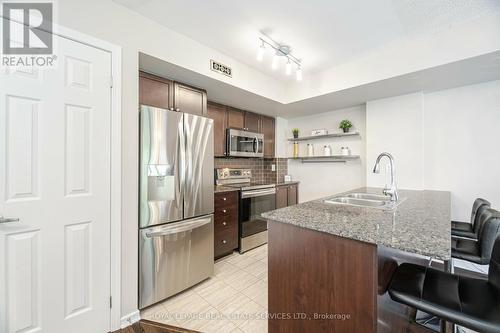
324 260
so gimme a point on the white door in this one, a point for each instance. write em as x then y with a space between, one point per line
55 177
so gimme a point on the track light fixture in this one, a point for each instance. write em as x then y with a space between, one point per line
279 52
261 51
288 68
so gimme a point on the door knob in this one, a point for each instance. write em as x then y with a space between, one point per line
8 219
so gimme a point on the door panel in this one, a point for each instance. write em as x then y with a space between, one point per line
292 195
235 118
155 91
55 141
198 166
267 126
252 122
281 196
218 114
161 145
190 100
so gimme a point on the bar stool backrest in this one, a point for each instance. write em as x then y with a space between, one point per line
477 204
489 233
494 272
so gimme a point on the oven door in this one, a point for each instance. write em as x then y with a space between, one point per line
244 144
253 203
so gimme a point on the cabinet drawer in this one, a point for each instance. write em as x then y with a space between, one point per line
226 199
226 211
225 242
225 223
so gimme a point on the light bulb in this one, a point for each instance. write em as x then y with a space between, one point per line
274 65
288 68
260 52
299 74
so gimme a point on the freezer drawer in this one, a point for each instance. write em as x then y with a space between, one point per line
174 257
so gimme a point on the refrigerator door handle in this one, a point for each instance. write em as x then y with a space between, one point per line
186 226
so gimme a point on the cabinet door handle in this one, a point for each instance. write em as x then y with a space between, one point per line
224 211
177 109
224 241
224 223
224 199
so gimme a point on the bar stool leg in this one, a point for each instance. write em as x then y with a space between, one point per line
448 327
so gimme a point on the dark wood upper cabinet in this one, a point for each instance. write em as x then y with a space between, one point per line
252 122
218 113
190 100
235 118
155 91
268 129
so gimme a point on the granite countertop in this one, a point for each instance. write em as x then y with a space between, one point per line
222 188
420 224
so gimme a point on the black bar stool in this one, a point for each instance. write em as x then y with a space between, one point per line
479 251
470 230
472 303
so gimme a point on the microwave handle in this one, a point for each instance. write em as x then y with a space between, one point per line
255 145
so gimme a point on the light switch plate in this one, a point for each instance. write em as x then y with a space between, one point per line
273 167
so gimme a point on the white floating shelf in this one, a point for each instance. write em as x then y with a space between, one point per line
325 159
331 135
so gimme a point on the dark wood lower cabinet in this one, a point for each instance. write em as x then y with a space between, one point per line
287 195
319 282
281 196
293 194
225 223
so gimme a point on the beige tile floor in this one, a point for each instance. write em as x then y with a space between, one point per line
234 300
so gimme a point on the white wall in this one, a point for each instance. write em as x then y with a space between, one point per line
323 179
282 133
462 145
395 125
446 140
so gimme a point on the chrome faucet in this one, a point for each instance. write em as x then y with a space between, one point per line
392 191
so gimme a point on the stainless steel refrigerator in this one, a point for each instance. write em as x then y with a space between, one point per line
176 246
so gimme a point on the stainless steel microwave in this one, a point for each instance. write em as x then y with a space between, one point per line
244 144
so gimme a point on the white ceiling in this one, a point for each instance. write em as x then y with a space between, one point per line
323 33
465 72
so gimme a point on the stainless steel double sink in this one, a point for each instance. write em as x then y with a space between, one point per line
365 200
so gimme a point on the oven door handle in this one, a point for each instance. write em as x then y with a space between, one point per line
257 193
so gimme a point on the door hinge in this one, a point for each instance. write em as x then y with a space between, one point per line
111 81
110 301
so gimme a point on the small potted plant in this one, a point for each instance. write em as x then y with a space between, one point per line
345 125
295 133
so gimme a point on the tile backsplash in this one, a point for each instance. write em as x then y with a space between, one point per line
261 167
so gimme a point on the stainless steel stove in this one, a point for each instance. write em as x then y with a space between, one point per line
255 198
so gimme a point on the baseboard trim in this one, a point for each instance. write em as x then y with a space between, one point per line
130 319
